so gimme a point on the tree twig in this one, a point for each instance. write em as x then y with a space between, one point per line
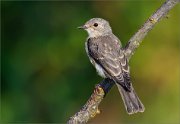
137 38
90 109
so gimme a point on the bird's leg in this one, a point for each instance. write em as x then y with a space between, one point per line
106 85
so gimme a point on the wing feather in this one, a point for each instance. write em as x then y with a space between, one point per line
107 53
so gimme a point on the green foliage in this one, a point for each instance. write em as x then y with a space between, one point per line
46 74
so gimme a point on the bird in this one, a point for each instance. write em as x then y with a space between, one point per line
106 53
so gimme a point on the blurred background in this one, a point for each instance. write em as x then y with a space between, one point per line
47 77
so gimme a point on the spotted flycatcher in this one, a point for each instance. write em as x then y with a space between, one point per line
106 54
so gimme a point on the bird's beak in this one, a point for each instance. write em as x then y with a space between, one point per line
82 27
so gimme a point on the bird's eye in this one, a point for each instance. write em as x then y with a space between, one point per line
95 24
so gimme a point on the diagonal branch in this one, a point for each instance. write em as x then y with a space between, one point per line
90 109
137 38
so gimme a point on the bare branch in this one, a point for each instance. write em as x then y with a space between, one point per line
90 109
137 38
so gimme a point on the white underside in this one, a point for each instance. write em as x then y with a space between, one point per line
100 70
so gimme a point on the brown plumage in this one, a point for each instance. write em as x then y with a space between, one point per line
106 54
105 51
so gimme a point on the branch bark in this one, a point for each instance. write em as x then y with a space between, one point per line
90 109
137 38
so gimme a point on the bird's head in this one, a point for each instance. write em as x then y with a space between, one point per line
97 27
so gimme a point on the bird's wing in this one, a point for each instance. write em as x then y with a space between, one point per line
107 53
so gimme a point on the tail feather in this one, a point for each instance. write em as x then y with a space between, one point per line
131 100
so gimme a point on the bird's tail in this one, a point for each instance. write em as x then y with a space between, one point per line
131 100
